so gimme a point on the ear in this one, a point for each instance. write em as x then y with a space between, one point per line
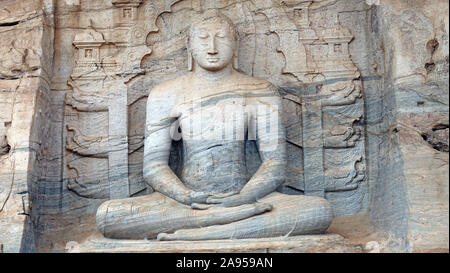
189 54
236 57
190 60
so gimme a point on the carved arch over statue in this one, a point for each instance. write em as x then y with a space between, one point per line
323 96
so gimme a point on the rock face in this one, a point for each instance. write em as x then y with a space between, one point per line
301 244
414 154
26 45
363 84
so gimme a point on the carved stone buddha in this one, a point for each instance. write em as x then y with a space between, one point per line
214 110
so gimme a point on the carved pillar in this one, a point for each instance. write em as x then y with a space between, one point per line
98 97
313 148
118 131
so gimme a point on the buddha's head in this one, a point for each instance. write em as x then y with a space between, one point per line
212 42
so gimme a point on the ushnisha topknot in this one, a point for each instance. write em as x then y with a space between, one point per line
212 16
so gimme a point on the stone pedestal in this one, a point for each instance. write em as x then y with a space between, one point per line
326 243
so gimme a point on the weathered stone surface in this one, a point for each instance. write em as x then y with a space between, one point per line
364 87
26 42
414 206
298 244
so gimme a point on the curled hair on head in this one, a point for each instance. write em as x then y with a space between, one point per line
211 16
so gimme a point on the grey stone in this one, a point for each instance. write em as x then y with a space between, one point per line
75 77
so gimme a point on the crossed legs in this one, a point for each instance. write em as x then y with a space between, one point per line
157 216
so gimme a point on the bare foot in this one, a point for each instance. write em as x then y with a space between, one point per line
163 237
185 234
262 207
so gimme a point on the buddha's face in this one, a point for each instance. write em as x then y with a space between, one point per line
212 45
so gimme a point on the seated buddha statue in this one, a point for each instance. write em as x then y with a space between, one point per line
214 110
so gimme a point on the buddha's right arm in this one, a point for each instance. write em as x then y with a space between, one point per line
162 179
157 172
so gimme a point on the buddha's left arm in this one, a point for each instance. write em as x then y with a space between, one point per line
271 141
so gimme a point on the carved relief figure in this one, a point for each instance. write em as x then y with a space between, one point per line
214 110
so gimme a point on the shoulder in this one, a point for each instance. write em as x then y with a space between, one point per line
164 97
256 85
172 87
258 90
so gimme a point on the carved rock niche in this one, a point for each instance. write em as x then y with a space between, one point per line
323 100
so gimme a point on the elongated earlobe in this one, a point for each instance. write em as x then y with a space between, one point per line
236 60
190 61
235 63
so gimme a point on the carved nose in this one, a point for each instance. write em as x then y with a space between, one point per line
212 50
